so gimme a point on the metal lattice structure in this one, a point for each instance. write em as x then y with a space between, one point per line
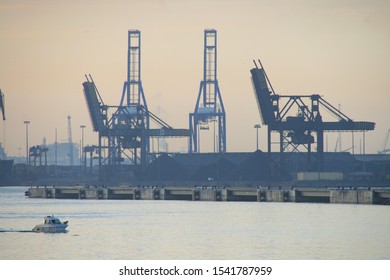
209 105
126 127
132 113
296 130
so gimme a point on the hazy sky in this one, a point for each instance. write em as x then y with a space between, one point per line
339 49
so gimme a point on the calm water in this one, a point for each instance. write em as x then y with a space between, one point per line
127 229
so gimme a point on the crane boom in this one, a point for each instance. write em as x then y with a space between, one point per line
2 107
384 150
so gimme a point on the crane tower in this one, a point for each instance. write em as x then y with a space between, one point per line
133 113
126 127
209 106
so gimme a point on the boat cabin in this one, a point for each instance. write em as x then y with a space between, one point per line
52 220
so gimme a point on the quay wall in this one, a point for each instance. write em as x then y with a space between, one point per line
316 195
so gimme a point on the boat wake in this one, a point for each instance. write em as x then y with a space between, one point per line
14 230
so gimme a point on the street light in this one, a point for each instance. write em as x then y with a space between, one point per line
82 142
257 126
27 157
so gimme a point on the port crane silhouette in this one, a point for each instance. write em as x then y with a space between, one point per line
297 130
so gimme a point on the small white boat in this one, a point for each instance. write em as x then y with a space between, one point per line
51 225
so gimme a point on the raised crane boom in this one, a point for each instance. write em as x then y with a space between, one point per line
296 128
385 149
2 107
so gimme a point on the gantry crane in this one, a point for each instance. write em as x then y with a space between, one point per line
297 130
209 106
127 126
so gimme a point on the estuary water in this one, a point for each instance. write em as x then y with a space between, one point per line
192 230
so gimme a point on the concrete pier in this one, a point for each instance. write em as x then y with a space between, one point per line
314 195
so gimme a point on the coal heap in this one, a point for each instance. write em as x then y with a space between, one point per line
255 167
217 170
165 168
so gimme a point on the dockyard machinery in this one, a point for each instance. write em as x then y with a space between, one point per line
298 118
126 127
209 106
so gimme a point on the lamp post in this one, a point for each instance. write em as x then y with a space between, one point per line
27 156
82 143
257 126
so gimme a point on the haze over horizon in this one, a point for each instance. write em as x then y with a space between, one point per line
338 49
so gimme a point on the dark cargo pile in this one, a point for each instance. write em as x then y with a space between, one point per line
254 167
215 171
165 168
